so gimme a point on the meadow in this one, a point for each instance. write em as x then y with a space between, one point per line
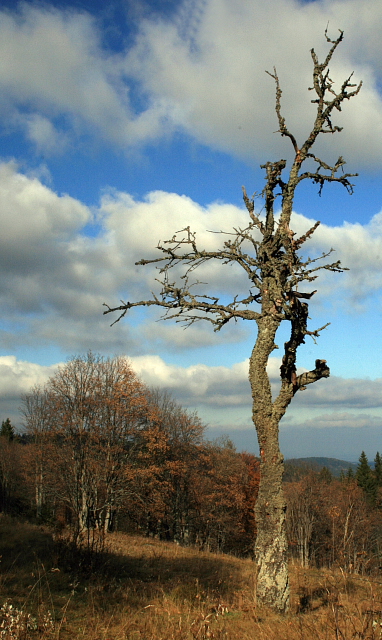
143 588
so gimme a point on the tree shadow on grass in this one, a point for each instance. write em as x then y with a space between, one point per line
150 570
21 542
187 575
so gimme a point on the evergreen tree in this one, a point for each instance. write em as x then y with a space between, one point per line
365 478
7 430
350 474
325 475
378 469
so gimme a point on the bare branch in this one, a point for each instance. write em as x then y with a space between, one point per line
282 125
180 304
300 241
320 178
250 204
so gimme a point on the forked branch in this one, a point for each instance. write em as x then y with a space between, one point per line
272 265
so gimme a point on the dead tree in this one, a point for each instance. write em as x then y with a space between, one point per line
275 270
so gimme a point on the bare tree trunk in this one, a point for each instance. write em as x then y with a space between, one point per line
270 509
39 490
271 541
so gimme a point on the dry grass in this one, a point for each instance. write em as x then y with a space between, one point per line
150 590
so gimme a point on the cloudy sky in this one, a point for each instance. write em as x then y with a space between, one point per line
122 122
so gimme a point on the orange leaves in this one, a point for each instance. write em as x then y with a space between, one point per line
104 444
332 524
83 422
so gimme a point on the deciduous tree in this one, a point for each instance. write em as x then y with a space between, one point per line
88 414
37 422
268 252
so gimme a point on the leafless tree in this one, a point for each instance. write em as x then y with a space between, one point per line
275 270
37 421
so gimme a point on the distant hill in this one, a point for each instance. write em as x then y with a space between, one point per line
296 468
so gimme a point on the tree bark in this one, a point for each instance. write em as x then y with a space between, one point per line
271 541
270 508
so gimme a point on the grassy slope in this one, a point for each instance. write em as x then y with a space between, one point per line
154 590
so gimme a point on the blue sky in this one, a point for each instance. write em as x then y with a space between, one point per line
122 122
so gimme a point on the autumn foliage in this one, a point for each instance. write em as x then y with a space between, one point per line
102 451
332 523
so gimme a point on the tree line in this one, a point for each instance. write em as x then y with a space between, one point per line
337 522
101 450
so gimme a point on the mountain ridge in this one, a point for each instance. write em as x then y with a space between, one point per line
295 465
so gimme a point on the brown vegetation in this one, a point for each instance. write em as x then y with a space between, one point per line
146 588
102 451
180 505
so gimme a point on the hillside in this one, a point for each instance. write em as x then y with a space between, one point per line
144 588
300 466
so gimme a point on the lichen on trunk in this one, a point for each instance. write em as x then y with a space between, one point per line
270 508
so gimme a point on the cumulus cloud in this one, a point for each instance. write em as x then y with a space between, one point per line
53 63
42 132
345 419
201 70
18 377
140 225
55 278
338 392
358 247
198 383
210 63
222 386
37 227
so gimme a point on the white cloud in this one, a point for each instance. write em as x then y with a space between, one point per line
345 419
19 376
197 381
37 228
222 386
55 279
42 132
202 71
211 66
140 225
351 393
53 63
358 247
31 212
